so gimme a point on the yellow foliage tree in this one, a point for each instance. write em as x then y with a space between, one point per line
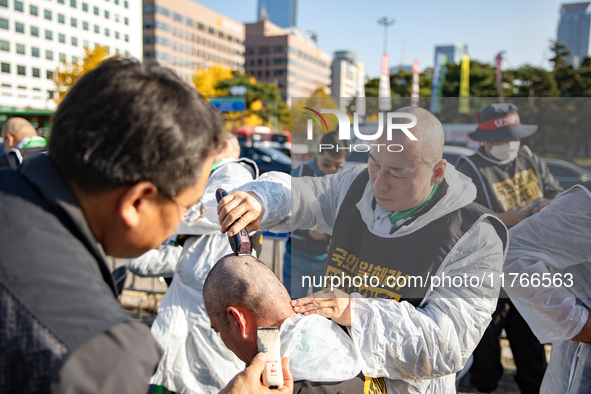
206 80
68 73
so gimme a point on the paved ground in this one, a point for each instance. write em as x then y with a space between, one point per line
131 301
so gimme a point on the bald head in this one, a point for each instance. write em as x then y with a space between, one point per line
14 130
229 146
428 131
246 282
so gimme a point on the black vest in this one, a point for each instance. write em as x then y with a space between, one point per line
357 252
506 185
56 291
300 239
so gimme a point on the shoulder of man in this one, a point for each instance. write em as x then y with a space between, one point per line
119 360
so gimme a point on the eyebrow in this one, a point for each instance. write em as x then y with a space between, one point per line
397 169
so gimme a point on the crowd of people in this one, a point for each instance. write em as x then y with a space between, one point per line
130 171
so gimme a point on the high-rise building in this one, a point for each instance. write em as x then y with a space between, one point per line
184 35
573 31
454 52
280 12
344 78
36 36
290 59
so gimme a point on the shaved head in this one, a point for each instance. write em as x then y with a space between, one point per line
429 133
246 282
229 146
15 129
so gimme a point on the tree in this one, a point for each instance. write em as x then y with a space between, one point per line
67 74
207 80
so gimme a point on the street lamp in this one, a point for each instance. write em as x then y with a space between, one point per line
384 100
384 21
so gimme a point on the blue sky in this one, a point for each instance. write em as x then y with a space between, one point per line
522 28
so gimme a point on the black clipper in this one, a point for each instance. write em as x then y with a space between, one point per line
240 243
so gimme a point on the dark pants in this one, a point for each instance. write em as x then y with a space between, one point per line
528 353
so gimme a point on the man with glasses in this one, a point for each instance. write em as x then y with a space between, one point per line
514 183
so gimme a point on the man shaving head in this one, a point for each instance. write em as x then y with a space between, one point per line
403 180
240 294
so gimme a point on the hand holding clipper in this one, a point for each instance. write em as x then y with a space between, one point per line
240 243
268 343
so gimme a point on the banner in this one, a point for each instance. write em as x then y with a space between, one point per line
360 104
464 104
385 101
414 90
437 87
500 77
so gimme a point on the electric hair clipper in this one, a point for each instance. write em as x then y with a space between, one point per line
240 243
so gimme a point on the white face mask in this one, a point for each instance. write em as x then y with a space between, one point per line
505 152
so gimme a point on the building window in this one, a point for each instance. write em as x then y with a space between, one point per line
74 41
18 6
4 46
61 18
3 23
4 3
211 31
34 31
96 29
126 21
61 38
73 22
85 25
96 10
117 35
60 1
5 67
75 59
106 14
178 17
84 7
126 38
48 54
221 34
20 49
107 32
47 14
50 93
263 50
33 10
48 35
117 2
62 57
19 27
36 73
116 17
200 26
49 74
34 52
189 22
85 44
20 70
73 3
126 4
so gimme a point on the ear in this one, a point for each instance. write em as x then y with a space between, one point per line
135 200
237 320
9 141
438 172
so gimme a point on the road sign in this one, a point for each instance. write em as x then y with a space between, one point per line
228 104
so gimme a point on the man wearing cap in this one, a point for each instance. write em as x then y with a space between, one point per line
514 183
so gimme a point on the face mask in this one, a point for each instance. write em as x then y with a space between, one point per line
505 152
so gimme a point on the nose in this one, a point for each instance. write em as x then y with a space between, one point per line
381 183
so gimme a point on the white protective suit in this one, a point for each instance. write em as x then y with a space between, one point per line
556 241
409 346
195 359
156 262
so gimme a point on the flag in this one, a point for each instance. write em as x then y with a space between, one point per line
437 87
384 100
464 104
360 104
500 77
414 90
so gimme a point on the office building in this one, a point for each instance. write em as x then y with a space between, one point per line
37 35
344 78
573 31
454 52
184 35
280 12
290 59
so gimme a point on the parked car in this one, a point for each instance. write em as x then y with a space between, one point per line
267 159
568 174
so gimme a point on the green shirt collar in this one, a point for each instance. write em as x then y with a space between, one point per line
398 216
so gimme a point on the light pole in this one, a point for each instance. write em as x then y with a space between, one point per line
384 21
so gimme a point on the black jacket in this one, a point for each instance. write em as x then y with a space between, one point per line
61 326
14 158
